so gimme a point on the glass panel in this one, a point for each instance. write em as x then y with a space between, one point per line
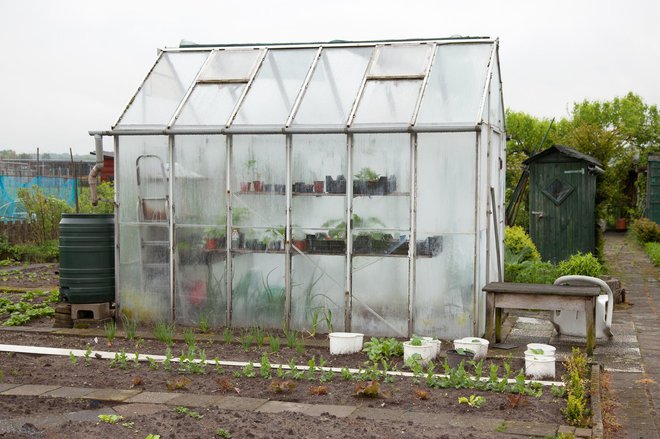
144 271
258 290
380 295
401 60
259 182
275 88
333 87
318 292
230 64
456 84
163 90
443 300
201 229
381 186
446 166
388 102
210 104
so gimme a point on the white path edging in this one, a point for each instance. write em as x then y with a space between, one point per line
106 355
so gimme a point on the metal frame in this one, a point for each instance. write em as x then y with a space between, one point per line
190 90
130 101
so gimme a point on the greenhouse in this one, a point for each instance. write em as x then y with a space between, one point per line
346 186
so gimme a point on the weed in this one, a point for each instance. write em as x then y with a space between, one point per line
129 325
227 335
502 427
221 432
558 391
164 332
472 401
318 390
274 344
110 330
186 411
203 323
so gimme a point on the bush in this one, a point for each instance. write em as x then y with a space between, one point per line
49 251
646 230
518 242
44 213
535 272
106 194
580 264
653 250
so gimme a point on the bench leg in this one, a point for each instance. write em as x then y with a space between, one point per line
498 325
590 313
490 305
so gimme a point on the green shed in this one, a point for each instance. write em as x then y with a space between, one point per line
562 201
653 189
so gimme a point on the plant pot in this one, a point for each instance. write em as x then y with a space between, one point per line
539 366
318 186
477 345
211 244
298 187
454 358
436 344
300 244
245 186
258 186
426 351
342 343
620 225
359 187
548 351
268 187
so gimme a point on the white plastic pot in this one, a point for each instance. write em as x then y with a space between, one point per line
548 351
436 343
477 345
539 366
426 350
345 342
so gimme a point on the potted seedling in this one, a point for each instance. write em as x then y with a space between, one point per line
362 178
215 237
477 345
459 355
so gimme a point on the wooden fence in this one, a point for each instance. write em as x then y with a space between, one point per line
17 232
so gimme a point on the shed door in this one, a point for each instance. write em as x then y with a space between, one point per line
562 197
653 192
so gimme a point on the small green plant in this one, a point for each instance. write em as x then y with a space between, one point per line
129 325
367 174
584 264
327 316
152 363
203 323
472 401
186 411
416 340
246 341
88 355
274 342
164 332
111 419
167 363
378 349
227 335
315 321
502 427
346 374
248 371
221 432
264 368
653 250
72 358
110 330
189 338
259 336
291 337
369 389
152 436
517 241
300 345
558 391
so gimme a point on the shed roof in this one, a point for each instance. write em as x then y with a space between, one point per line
333 86
565 150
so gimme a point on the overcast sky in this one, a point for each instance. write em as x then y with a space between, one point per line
67 67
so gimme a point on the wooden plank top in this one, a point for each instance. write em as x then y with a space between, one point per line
541 289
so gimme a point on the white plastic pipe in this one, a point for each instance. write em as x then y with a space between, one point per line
564 280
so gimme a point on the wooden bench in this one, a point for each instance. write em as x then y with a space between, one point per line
538 296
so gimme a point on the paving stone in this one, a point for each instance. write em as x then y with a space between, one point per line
89 415
139 409
194 400
7 386
29 390
69 392
152 397
566 429
282 406
240 403
582 432
340 411
42 420
383 414
531 428
118 395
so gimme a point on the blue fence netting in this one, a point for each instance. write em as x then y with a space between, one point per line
11 208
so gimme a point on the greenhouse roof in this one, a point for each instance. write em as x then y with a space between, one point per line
448 84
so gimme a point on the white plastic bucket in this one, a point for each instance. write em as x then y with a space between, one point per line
436 343
548 350
426 350
345 342
477 345
539 366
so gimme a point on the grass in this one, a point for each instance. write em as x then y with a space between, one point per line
653 250
164 332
